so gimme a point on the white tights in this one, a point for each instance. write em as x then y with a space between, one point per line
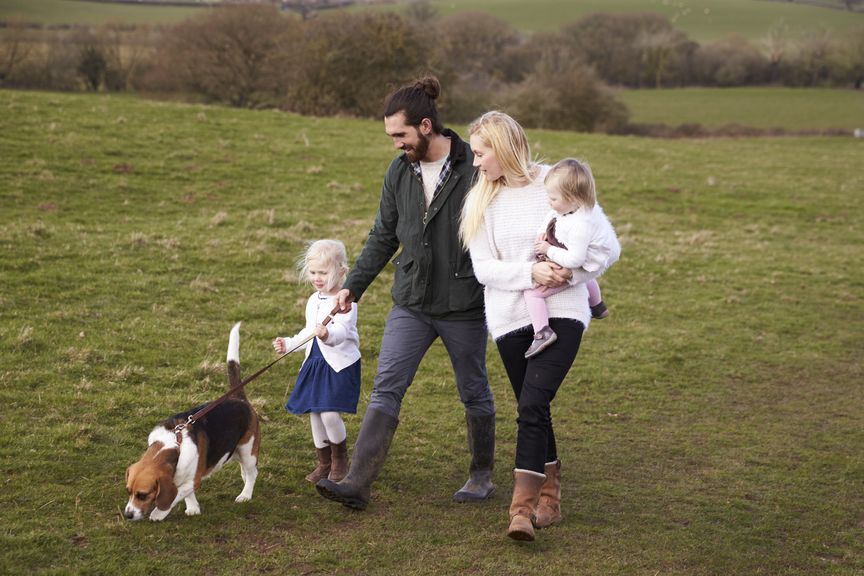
327 428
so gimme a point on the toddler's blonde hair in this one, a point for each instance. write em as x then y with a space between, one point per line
574 180
331 254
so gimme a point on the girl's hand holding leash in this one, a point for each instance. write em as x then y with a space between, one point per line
279 345
321 332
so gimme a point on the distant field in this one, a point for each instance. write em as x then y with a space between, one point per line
73 12
701 19
787 108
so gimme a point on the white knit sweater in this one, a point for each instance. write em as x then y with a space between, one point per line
502 253
342 347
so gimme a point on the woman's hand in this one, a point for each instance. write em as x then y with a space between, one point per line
549 275
279 345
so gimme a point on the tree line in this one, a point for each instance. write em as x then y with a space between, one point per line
345 63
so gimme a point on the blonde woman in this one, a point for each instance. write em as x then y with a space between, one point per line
499 225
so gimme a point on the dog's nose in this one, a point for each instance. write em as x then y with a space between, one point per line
128 514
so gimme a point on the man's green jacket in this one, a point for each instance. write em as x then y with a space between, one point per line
433 273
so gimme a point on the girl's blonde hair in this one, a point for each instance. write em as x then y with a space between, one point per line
331 254
508 141
574 180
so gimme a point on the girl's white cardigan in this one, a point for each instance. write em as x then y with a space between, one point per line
342 348
502 253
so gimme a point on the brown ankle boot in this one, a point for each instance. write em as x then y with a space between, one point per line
523 507
549 507
323 468
339 462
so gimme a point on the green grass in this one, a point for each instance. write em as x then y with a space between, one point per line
78 12
702 20
787 108
711 426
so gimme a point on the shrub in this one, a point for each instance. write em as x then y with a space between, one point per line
627 49
232 55
565 97
730 62
339 73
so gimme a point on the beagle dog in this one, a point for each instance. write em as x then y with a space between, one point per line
169 471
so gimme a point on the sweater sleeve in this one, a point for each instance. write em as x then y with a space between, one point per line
612 244
577 249
292 342
492 271
381 244
341 326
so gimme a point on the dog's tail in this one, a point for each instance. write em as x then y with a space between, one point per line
234 361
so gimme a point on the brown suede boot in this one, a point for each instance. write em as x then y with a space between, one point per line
523 507
323 468
339 463
549 507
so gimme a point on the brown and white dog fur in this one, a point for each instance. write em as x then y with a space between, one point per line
168 473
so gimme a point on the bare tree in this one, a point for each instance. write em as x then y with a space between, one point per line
814 56
657 48
231 55
14 48
776 46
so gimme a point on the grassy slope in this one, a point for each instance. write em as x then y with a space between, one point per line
791 109
711 426
74 12
701 19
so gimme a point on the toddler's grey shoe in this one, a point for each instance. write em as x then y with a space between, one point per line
542 340
599 311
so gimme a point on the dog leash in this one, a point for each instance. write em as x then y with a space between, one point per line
178 429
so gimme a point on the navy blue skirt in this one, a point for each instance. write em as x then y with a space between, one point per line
319 388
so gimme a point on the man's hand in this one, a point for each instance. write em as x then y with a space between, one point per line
344 298
550 275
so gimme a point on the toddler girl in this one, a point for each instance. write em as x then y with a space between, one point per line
575 234
329 380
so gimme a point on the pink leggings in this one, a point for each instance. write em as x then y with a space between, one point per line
535 300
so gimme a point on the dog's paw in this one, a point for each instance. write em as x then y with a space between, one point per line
158 515
242 498
193 510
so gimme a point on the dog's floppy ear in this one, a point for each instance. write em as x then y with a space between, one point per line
166 491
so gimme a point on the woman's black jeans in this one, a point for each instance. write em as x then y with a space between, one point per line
535 382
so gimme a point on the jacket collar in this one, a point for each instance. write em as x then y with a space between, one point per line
458 147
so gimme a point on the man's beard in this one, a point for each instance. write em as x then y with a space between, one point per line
417 153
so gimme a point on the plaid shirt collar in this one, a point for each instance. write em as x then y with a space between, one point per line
442 177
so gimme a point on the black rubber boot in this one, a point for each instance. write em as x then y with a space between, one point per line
370 452
481 442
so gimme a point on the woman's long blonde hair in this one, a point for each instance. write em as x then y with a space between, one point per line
507 139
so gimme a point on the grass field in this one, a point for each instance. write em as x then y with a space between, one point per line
767 108
711 426
75 12
702 20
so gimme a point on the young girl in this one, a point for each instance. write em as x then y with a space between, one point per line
574 234
329 380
